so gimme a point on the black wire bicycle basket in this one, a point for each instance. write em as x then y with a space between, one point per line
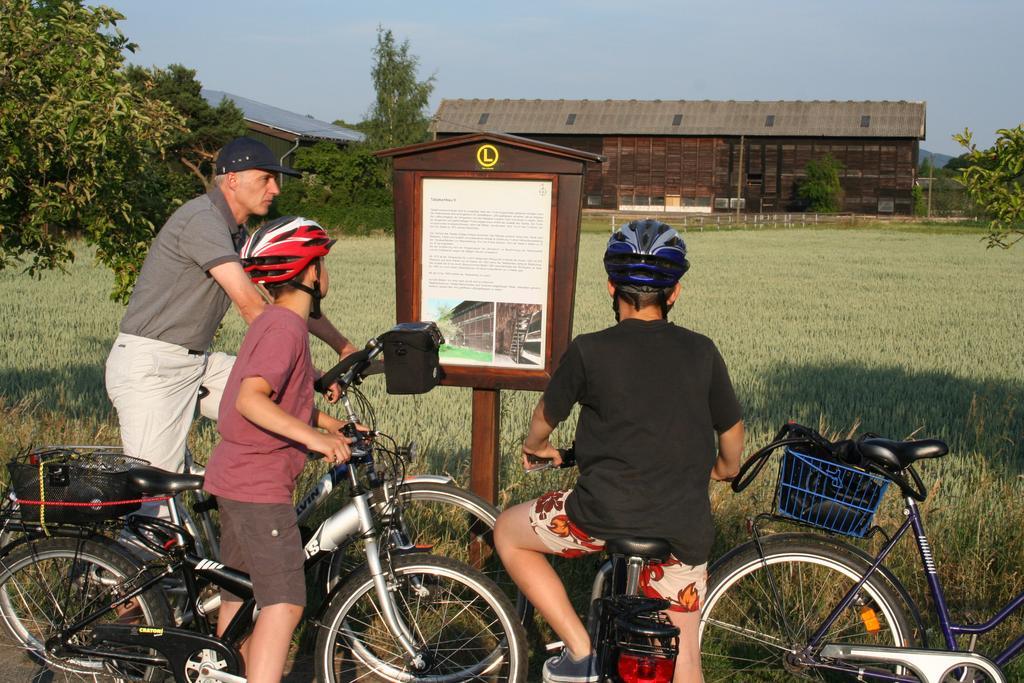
73 484
827 494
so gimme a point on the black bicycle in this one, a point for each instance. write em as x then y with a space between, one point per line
87 607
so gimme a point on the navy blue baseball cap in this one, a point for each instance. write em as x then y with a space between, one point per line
242 154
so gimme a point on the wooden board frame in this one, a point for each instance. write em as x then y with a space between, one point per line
516 159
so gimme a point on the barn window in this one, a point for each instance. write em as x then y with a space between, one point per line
677 120
865 121
570 119
483 119
769 121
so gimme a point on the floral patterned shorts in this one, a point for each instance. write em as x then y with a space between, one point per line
682 585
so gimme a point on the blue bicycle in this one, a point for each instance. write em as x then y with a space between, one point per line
811 606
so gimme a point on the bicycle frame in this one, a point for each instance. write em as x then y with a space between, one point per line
950 629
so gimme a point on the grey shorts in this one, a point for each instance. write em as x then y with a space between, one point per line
262 540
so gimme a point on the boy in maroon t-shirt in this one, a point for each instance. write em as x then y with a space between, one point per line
268 422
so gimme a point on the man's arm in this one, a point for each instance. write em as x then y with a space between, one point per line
323 329
730 448
240 289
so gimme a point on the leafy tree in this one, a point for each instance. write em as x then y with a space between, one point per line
350 188
399 113
342 188
927 168
994 179
361 126
957 164
820 187
194 147
76 139
920 201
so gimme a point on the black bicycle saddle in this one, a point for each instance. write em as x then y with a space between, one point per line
155 481
898 455
647 548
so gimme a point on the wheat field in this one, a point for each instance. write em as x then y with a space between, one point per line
894 332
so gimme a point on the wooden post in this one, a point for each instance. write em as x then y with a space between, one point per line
931 180
739 177
483 468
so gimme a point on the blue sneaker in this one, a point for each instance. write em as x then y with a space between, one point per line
565 669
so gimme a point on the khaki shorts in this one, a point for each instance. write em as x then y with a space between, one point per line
683 585
263 540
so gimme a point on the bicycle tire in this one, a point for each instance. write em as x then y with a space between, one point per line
51 582
462 621
454 523
746 632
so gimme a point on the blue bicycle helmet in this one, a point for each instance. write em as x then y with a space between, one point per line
646 254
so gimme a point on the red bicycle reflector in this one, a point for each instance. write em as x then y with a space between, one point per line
645 669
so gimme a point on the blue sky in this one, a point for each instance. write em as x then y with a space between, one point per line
314 56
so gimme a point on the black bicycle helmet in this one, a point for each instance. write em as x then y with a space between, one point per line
645 254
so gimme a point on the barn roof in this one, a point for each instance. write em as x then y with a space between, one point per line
870 119
303 127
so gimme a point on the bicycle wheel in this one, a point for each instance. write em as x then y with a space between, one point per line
758 615
455 523
53 582
461 622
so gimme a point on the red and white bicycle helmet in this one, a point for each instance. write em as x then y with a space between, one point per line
281 249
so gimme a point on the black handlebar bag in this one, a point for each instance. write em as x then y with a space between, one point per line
411 360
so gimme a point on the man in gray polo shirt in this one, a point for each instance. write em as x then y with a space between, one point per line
189 279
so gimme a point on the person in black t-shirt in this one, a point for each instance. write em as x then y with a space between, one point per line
653 397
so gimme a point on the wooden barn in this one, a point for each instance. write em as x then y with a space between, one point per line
475 323
704 156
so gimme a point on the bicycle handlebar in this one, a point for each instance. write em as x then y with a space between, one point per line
568 460
846 452
352 368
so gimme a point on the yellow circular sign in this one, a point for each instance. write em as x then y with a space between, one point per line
487 156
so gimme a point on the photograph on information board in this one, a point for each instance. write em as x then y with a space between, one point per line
485 253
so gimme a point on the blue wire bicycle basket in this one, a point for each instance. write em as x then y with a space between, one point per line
826 494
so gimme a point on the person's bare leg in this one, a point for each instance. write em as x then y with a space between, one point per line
688 668
270 641
522 553
228 610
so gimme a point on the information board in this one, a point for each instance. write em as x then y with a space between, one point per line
485 255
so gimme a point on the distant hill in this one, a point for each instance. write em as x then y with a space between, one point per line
939 160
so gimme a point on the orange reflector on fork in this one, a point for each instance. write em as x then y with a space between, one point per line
870 619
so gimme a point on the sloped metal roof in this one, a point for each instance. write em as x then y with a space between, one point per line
883 119
304 127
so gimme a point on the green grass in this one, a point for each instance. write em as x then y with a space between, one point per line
897 331
449 352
